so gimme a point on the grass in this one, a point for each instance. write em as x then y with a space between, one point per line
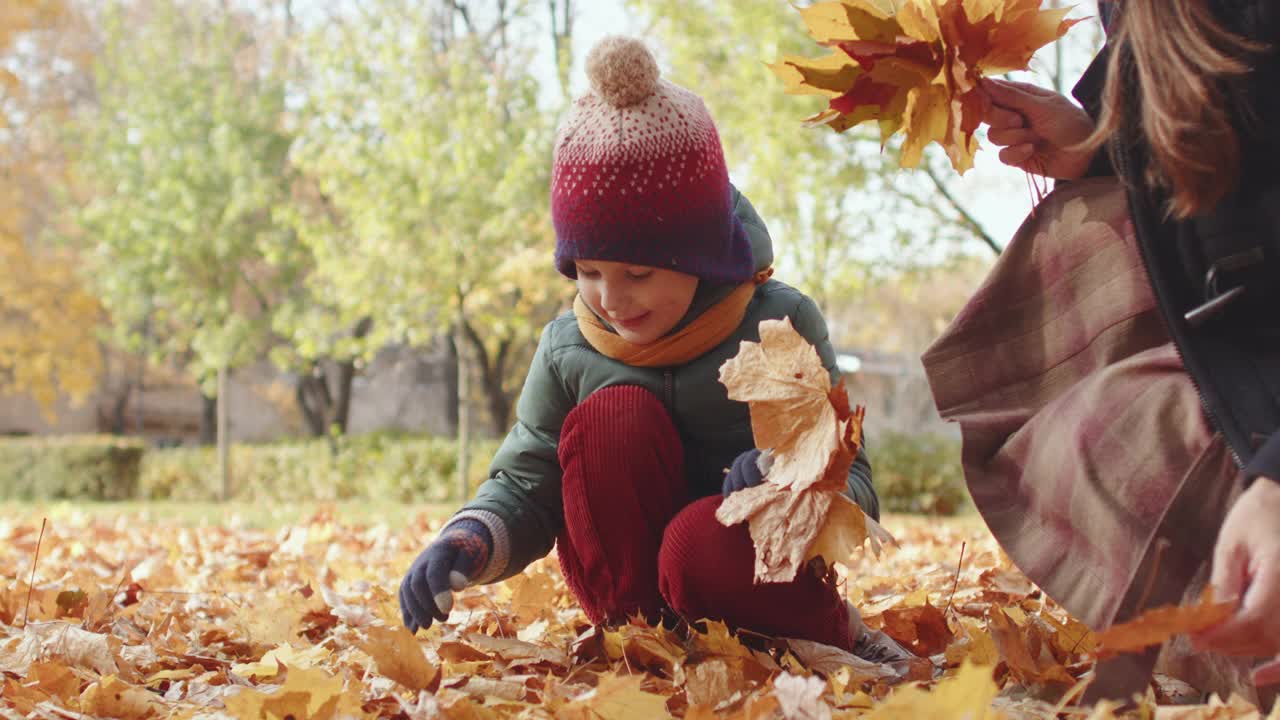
241 514
236 514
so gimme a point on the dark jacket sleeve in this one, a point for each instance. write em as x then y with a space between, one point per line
1266 462
811 325
520 503
1088 92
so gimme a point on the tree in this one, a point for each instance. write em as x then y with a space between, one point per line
47 319
425 139
185 157
829 199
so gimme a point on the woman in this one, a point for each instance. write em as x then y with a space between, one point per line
1132 413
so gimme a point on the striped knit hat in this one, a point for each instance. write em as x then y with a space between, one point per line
639 176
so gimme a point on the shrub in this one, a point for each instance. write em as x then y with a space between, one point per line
918 473
375 466
73 466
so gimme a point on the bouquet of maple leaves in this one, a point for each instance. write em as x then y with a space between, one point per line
811 436
915 65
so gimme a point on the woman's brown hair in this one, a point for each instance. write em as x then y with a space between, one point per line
1177 62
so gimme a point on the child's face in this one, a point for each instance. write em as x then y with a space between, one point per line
642 303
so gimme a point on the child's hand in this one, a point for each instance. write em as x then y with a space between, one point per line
1038 129
1246 565
426 593
745 473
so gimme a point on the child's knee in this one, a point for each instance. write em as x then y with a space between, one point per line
620 419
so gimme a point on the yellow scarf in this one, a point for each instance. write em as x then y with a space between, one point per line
694 340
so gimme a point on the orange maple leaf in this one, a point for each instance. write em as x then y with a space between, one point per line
914 65
1157 625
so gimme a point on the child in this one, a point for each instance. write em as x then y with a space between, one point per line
624 431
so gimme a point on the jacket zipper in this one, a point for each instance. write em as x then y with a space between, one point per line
669 390
1167 314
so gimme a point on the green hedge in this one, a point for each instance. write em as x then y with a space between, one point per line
918 473
64 467
913 473
374 466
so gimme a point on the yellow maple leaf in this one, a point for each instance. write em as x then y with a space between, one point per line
914 65
616 698
398 655
115 698
306 693
269 665
967 694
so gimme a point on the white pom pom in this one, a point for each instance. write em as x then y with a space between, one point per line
622 71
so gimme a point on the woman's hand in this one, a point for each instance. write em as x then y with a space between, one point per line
1246 565
1038 129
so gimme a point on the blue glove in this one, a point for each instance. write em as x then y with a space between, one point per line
745 473
426 593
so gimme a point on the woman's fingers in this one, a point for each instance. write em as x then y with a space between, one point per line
999 118
1013 136
1017 155
1267 673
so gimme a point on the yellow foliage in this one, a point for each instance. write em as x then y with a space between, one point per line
47 321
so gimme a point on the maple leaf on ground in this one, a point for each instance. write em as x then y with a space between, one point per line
397 654
1157 625
811 437
114 698
616 698
914 65
966 694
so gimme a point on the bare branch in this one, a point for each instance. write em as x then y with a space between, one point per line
966 219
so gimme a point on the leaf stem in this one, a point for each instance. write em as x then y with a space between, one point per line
31 584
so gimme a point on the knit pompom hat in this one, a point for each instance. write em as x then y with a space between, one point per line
639 176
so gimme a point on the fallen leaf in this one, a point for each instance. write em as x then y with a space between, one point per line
283 656
398 655
967 694
112 697
922 628
306 693
617 698
829 660
801 697
1157 625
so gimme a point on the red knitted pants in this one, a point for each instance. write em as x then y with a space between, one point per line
633 543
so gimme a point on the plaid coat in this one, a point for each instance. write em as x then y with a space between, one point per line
1085 446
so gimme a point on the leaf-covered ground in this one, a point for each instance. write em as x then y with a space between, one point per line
133 618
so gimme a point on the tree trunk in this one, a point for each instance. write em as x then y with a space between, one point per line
492 370
326 405
312 394
451 403
341 416
208 419
464 417
224 427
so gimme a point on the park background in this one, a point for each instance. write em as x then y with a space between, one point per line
271 273
314 235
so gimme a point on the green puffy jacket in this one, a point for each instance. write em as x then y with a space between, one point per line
520 503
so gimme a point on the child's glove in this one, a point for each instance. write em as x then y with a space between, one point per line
426 593
745 473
